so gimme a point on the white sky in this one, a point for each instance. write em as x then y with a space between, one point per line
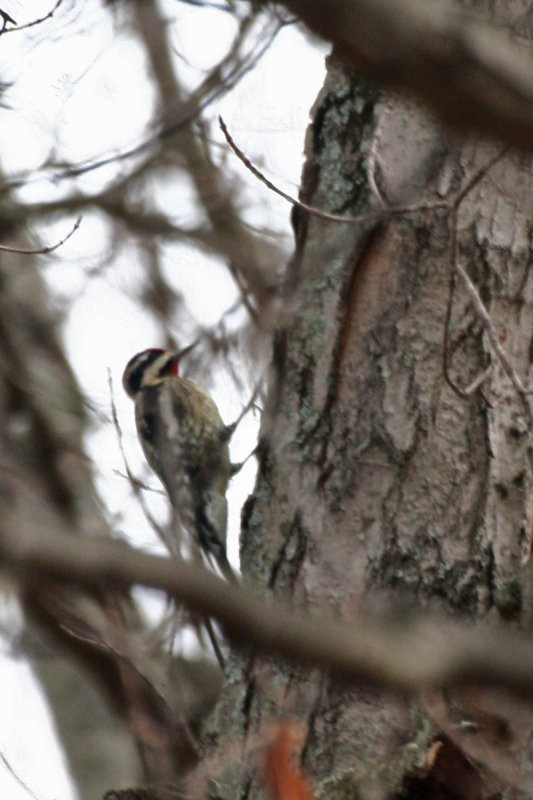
80 79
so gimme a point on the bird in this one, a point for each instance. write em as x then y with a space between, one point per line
186 443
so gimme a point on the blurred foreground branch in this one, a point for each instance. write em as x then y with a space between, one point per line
420 651
471 74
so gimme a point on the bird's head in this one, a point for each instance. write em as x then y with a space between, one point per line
150 367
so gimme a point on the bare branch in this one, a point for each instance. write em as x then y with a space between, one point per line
5 19
369 216
422 651
133 481
28 24
468 72
453 209
223 77
43 250
477 302
205 4
17 777
316 212
500 353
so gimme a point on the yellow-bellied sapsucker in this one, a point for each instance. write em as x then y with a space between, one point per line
186 444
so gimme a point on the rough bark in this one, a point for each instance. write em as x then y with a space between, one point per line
378 484
380 487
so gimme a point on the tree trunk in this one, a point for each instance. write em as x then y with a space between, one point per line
380 484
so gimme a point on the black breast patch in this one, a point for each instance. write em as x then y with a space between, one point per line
148 427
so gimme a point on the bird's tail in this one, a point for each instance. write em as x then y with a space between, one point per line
211 520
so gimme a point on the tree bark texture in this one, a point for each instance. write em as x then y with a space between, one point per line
379 485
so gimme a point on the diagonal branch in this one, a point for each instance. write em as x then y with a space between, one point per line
43 250
421 651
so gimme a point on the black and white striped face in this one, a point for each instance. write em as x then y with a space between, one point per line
148 368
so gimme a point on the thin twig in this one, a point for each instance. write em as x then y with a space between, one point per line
501 355
249 405
216 84
205 4
316 212
18 779
96 640
478 175
134 482
369 216
477 382
372 158
453 209
43 250
5 19
31 24
464 393
476 300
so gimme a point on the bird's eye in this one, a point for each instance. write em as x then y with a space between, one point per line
136 369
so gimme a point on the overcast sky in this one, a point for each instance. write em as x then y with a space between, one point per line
81 83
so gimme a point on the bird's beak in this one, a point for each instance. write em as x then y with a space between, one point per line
183 352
